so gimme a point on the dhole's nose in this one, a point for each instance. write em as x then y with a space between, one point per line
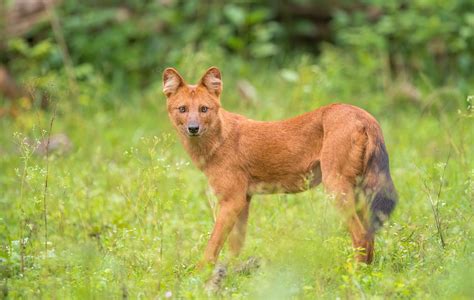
193 129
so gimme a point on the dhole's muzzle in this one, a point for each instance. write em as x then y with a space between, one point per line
193 128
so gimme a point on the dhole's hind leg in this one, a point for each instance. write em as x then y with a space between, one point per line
342 162
237 235
362 211
362 239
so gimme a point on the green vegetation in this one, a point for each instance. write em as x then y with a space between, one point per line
125 214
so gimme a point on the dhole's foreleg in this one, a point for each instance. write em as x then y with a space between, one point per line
237 235
229 212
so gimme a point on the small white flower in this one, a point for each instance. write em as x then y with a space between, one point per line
168 294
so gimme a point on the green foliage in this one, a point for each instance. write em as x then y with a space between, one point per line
130 41
430 37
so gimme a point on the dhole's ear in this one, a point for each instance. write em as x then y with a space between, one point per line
212 80
172 81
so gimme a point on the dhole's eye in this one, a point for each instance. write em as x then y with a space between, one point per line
182 109
204 109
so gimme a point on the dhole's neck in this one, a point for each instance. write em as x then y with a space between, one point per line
201 149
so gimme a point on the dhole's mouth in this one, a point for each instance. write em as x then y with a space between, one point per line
192 135
200 133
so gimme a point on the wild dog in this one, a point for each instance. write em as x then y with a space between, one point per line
339 145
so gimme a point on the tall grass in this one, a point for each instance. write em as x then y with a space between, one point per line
129 216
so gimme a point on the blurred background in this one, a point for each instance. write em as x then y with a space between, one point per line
403 47
99 200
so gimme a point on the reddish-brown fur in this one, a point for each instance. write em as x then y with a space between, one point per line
339 145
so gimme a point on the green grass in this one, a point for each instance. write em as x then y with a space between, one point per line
128 215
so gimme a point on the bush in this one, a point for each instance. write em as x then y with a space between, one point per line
434 38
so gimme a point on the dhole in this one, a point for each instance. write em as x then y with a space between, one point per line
339 145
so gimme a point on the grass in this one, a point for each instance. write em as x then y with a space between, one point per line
129 216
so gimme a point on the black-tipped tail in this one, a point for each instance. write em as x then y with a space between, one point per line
381 207
379 187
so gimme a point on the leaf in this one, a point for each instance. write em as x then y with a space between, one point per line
235 14
289 75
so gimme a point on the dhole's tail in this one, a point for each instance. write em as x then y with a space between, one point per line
378 186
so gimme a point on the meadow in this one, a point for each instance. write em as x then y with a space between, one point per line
124 214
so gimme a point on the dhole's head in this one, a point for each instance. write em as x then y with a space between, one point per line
193 109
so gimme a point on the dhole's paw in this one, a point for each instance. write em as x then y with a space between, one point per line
204 265
247 267
364 255
214 283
